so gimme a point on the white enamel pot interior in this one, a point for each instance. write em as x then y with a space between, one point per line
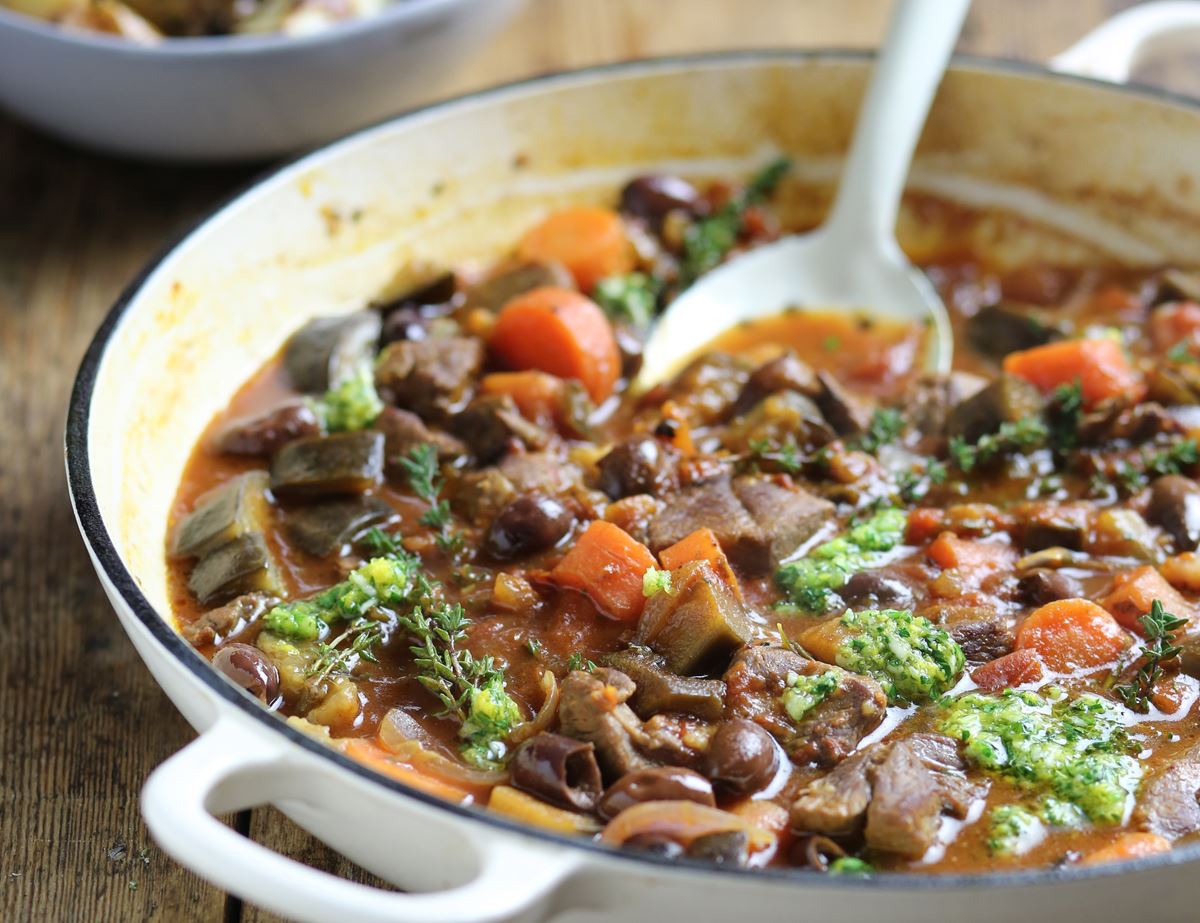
1115 166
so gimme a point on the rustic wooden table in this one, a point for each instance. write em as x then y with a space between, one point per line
81 721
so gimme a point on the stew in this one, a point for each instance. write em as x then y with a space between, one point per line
802 605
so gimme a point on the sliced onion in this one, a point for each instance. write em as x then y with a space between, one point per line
419 754
545 716
683 822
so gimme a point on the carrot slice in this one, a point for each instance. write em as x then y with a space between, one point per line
1129 846
1071 634
561 332
924 523
538 396
1015 669
608 566
965 554
1100 366
588 240
375 756
1133 593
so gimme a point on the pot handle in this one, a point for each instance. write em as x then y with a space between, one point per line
229 768
1113 49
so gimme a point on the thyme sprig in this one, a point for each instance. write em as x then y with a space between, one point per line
421 466
363 634
447 669
1160 627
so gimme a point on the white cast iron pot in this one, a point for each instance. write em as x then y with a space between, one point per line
1117 168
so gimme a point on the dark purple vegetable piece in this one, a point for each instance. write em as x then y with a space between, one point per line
326 350
235 508
558 769
496 291
409 316
638 465
533 522
654 196
659 690
742 757
660 783
263 433
243 565
344 463
1175 505
321 529
250 668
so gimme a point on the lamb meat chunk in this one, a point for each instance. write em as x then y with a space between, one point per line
920 779
218 624
714 505
787 515
698 625
592 709
540 471
784 373
708 386
326 350
429 377
490 425
933 396
321 529
497 290
983 633
264 432
1007 327
344 463
1054 525
1175 505
895 793
1006 400
848 415
1169 804
404 431
830 731
478 496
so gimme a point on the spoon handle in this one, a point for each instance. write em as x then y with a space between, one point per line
920 38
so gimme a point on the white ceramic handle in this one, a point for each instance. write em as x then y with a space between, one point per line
1112 50
920 38
230 768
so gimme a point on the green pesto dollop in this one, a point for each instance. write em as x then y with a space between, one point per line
811 581
910 657
1013 829
804 693
351 405
492 716
1071 750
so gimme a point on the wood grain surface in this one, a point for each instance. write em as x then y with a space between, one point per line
81 721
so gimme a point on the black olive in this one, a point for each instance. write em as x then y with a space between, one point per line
742 757
652 198
639 465
662 783
558 769
1175 505
1043 585
530 523
249 668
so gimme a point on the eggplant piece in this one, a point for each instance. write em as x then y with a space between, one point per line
697 626
243 565
659 690
1006 400
321 529
237 507
496 291
345 463
322 353
412 315
1004 328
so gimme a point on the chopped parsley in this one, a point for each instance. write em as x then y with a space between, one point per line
885 427
1023 435
631 298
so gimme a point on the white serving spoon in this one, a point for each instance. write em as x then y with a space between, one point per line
852 261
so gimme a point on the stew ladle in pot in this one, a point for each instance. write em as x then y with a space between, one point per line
852 261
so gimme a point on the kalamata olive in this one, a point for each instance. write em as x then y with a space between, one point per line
1043 585
662 783
651 198
530 523
742 757
1175 505
875 590
639 465
263 433
727 847
655 844
249 668
784 373
557 769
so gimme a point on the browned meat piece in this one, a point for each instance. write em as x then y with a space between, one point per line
1053 525
1175 505
477 496
263 433
1136 424
982 633
713 504
490 425
541 471
698 625
660 690
707 387
498 289
592 709
321 529
404 431
638 465
1008 327
344 463
429 377
830 731
786 373
326 350
220 623
928 405
895 792
1006 400
787 516
1043 585
1169 804
848 415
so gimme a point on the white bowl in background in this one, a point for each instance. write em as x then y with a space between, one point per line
235 97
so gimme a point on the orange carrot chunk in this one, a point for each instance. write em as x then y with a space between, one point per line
1072 634
607 565
561 332
588 240
538 396
1100 366
1132 594
701 545
1015 669
966 554
1129 846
